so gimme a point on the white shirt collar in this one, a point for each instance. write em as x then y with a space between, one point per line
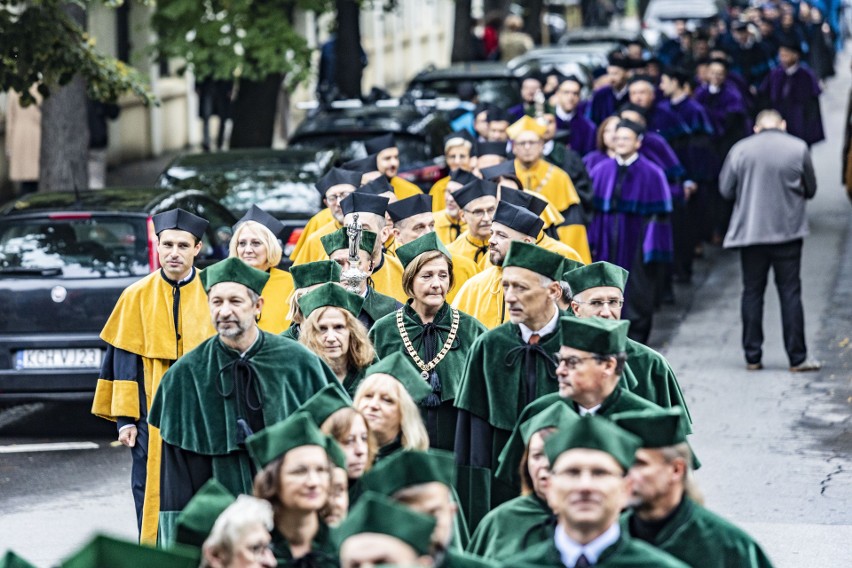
548 328
792 69
593 410
620 94
570 551
678 100
256 337
714 89
548 148
628 161
563 115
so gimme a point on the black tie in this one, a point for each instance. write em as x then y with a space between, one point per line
619 182
582 562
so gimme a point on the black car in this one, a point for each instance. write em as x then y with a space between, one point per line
494 83
622 37
64 260
279 181
419 135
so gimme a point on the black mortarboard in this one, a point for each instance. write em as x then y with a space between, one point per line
463 134
364 203
791 44
572 78
258 215
497 113
506 168
739 25
642 79
378 186
409 207
634 126
523 199
180 220
719 60
463 177
635 108
338 176
362 165
495 148
617 59
474 190
518 219
679 74
379 143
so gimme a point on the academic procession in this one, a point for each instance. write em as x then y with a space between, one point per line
460 377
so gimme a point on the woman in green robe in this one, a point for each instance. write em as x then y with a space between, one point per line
432 334
525 520
295 477
331 330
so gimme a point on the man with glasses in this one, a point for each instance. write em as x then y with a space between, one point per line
598 292
539 176
478 203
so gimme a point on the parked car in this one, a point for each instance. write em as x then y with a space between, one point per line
419 135
546 60
64 260
279 181
622 37
660 16
495 84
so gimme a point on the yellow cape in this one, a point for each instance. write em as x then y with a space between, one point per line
403 188
443 226
312 225
469 246
437 192
313 249
482 297
276 302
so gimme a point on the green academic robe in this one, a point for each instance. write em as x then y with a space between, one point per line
502 375
323 554
454 559
212 399
656 380
353 379
702 538
512 527
439 414
625 553
376 306
292 332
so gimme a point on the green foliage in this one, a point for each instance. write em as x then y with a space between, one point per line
40 44
225 39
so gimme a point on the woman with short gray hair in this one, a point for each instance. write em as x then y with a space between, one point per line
241 536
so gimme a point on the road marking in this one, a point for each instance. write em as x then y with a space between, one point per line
55 447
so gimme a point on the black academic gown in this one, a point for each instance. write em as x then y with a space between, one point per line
323 554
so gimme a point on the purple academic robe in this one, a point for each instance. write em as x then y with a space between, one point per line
665 123
695 150
603 104
728 115
582 132
796 97
594 158
657 150
635 221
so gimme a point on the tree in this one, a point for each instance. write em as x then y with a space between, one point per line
461 32
44 44
349 68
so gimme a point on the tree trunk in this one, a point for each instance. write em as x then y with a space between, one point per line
498 5
461 32
348 70
532 19
253 112
63 164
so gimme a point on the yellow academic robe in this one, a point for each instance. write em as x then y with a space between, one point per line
141 323
387 279
437 192
448 229
463 270
553 183
482 297
470 247
312 225
550 244
403 188
276 302
390 246
313 249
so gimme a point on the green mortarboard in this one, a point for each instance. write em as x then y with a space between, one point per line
339 239
594 335
594 433
12 560
401 368
312 273
557 415
234 270
595 275
328 400
430 241
377 514
568 265
658 428
196 520
274 441
107 552
331 294
404 469
535 258
335 453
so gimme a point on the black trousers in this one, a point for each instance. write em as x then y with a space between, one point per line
640 295
139 469
785 259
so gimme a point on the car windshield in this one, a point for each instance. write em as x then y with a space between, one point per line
500 92
74 247
350 146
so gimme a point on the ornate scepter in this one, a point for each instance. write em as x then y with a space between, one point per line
353 276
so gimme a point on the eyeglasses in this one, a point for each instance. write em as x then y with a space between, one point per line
259 550
598 304
335 198
481 212
571 361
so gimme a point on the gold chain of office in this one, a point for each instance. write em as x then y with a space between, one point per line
425 368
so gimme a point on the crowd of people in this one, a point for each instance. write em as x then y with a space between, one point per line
460 376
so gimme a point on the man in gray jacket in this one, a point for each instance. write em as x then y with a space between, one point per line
770 175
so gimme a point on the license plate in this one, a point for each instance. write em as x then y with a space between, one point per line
78 358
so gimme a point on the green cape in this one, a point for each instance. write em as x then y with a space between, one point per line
511 528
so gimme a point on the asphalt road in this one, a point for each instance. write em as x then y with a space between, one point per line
776 447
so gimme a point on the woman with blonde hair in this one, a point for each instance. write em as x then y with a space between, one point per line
255 242
307 277
331 330
294 476
433 335
388 399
